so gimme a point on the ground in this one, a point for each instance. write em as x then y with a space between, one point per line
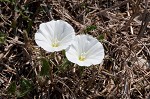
29 72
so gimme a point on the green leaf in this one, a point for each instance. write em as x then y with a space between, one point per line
25 87
63 67
101 37
2 38
90 28
5 1
81 70
8 1
12 88
25 84
45 68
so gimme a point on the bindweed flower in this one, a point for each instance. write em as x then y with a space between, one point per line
54 35
85 51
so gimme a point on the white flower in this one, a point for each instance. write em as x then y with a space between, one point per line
85 51
54 35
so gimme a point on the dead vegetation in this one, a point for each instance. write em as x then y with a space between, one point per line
123 26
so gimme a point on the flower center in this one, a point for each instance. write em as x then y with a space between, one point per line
82 57
55 43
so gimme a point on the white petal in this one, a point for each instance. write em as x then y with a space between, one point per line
51 25
93 49
63 29
54 31
46 31
84 63
43 42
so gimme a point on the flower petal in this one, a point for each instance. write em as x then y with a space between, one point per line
63 29
43 42
46 30
55 33
85 44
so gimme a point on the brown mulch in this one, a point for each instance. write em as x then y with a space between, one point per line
123 27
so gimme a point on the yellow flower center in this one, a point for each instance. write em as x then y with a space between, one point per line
82 57
55 43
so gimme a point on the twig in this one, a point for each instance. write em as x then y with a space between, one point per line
128 13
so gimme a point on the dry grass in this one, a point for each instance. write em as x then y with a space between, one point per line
124 26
